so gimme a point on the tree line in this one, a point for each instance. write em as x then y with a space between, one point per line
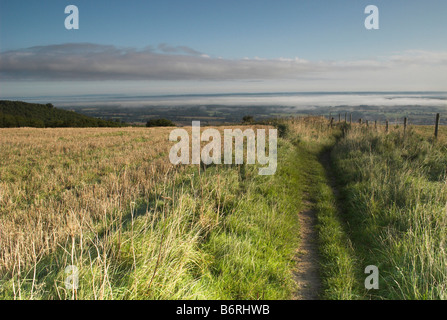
22 114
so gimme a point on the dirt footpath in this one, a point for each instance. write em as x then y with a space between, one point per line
307 271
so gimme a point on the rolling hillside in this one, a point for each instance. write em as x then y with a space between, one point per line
22 114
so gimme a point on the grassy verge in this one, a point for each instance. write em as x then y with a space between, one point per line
254 245
396 198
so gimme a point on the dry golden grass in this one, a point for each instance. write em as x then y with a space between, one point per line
54 183
428 131
312 129
317 128
108 201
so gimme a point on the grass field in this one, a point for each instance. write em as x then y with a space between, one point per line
394 192
109 202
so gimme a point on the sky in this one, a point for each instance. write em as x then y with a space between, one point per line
209 46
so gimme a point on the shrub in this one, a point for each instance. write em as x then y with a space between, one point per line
160 123
247 119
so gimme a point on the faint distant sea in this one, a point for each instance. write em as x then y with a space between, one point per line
300 100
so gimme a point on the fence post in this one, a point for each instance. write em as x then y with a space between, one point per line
386 127
339 118
437 126
350 118
346 117
332 121
405 125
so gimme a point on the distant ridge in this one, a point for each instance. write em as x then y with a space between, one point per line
23 114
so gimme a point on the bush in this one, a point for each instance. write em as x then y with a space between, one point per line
160 123
247 119
283 129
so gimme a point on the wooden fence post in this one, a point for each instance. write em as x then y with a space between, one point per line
386 127
437 126
350 118
405 125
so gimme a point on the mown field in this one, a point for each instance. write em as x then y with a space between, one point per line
108 201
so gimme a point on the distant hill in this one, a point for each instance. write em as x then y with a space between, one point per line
23 114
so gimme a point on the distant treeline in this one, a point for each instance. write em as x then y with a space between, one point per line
22 114
160 123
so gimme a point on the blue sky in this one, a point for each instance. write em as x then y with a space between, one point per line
324 42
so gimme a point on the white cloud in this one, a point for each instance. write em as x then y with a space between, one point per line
96 62
409 70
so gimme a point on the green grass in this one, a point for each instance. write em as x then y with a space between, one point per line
338 264
254 248
394 190
339 269
226 233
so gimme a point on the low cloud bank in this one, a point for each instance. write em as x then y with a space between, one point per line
87 61
293 100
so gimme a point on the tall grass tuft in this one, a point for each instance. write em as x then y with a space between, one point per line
396 197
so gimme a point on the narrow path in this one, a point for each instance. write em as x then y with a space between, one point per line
307 271
307 275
